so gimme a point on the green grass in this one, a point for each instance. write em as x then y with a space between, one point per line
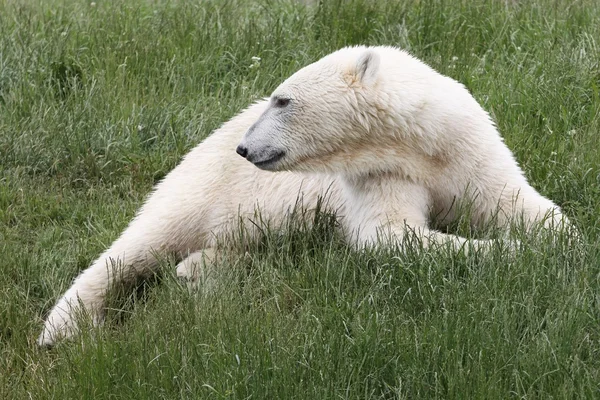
98 103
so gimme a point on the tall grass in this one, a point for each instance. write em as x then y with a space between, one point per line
98 101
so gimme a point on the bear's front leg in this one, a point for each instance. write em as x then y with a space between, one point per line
161 229
381 210
132 256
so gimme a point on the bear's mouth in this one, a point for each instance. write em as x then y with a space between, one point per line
264 164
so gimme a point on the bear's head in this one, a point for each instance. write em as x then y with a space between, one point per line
324 118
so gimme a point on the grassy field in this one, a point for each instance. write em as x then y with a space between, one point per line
98 101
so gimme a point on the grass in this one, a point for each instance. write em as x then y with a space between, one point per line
98 101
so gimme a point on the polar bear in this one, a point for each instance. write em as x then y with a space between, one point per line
385 138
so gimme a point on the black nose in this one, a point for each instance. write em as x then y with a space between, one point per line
242 151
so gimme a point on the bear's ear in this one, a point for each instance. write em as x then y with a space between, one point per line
367 67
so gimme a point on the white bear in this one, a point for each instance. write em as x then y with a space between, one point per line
385 138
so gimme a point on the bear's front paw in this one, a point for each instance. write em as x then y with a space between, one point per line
197 269
63 321
59 325
55 329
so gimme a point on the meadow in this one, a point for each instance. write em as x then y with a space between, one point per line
99 100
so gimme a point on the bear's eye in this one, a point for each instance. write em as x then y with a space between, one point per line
281 102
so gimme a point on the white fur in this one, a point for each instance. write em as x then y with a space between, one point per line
387 140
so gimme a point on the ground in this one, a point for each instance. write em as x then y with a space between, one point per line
98 101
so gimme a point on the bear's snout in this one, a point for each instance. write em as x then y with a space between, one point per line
242 151
264 158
